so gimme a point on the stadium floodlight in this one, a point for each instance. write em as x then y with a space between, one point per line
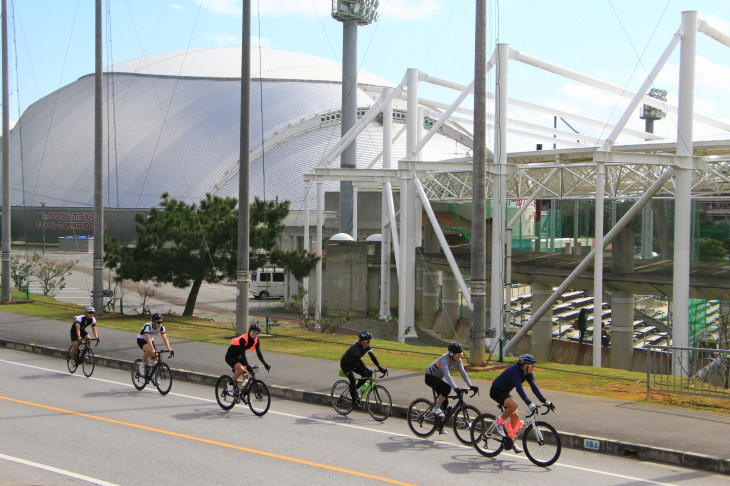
649 112
364 12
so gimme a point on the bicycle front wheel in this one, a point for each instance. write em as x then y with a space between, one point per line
463 419
71 364
259 397
340 397
542 444
163 378
484 436
225 400
88 363
421 419
379 403
138 380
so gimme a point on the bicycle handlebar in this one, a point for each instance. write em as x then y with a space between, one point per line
548 409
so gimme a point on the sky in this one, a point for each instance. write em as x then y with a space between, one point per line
51 44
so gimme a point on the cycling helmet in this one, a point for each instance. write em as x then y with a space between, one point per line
365 336
90 309
527 359
455 348
254 328
156 317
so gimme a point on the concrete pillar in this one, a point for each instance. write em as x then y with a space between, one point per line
542 332
431 290
449 306
622 303
418 302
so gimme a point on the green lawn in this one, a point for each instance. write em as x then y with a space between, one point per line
604 382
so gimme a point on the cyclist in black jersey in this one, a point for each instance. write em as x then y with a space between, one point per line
79 332
146 337
509 422
236 354
351 363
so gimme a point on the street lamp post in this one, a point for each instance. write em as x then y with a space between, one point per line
43 225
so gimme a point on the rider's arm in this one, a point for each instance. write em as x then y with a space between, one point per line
261 356
167 343
535 389
93 329
373 358
463 373
447 375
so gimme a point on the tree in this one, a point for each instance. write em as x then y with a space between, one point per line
185 244
181 244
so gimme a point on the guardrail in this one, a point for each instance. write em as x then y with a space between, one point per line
688 371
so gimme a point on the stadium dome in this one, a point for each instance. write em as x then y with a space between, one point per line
172 125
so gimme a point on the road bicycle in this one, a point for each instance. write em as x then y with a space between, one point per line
254 393
540 440
159 374
375 397
84 357
424 422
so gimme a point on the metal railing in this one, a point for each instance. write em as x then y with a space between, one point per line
688 371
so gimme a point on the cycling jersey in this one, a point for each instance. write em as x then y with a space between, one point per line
353 357
83 323
513 377
150 329
441 368
236 352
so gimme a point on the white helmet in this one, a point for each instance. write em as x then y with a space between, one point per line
90 310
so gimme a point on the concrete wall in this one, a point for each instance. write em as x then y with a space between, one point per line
346 282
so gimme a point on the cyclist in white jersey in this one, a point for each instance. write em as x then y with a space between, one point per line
146 337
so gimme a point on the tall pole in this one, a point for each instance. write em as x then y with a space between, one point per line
683 184
6 162
479 202
98 292
243 278
348 159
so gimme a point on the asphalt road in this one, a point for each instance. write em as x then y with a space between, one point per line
65 426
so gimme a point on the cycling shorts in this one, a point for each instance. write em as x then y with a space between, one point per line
498 395
84 333
441 387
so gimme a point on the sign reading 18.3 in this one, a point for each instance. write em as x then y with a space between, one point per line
594 445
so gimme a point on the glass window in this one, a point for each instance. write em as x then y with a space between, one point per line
278 277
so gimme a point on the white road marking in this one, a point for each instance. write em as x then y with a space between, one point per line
56 470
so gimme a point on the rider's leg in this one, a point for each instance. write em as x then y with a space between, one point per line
74 348
147 351
509 413
353 386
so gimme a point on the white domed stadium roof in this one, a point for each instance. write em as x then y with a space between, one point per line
172 125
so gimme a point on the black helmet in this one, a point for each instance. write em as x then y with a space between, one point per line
156 317
365 336
527 359
455 348
254 328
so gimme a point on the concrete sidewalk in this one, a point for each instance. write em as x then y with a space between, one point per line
645 432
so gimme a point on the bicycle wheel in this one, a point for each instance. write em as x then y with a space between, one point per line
379 403
138 380
88 363
541 443
463 419
484 436
163 378
340 397
70 364
259 397
225 400
421 418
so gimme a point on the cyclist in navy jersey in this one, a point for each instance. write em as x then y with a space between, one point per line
146 337
512 378
79 332
236 354
351 363
440 369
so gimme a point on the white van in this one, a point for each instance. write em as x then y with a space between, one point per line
267 283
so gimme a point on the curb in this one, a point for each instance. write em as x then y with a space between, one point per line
569 440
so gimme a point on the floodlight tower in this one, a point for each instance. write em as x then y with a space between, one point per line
650 113
351 13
